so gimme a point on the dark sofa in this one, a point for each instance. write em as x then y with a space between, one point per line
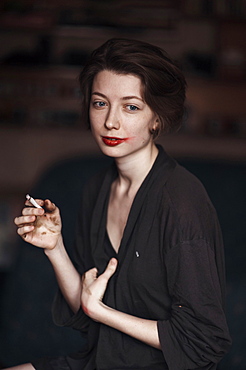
26 327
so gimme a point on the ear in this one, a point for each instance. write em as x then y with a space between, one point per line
155 130
156 125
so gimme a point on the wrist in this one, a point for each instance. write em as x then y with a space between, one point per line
97 311
58 247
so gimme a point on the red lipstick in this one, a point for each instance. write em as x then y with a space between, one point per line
112 141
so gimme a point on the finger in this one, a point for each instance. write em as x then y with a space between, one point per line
110 269
39 201
32 211
23 231
20 221
89 276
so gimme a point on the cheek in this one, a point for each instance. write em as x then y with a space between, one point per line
143 131
95 119
138 138
131 139
91 115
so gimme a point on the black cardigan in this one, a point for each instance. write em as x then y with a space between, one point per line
171 269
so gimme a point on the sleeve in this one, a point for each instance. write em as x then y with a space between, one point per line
64 316
196 335
61 313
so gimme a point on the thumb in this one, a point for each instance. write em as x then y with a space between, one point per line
110 269
49 206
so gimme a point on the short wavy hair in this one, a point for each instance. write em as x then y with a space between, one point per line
163 83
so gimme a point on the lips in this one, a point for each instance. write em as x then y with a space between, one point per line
112 141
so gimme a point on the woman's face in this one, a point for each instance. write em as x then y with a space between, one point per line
121 122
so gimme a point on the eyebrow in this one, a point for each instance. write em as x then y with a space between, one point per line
124 98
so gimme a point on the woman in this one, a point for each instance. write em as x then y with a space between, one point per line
148 246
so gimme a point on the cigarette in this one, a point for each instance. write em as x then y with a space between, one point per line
31 200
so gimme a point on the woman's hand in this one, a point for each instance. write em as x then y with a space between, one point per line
93 289
40 227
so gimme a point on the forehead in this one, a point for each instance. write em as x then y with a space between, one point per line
109 81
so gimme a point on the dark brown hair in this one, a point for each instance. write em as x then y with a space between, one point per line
164 85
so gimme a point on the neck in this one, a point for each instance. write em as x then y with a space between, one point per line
133 170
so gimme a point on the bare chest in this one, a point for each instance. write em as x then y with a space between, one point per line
118 212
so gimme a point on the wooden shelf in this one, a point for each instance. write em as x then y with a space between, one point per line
41 90
39 73
223 97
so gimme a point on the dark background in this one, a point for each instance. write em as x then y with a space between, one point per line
46 150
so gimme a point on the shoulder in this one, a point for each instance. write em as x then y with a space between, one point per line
185 188
178 182
190 206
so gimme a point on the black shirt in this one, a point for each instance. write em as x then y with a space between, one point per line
171 269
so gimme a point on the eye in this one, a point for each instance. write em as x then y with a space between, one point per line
99 104
132 107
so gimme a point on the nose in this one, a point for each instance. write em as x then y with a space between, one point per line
112 120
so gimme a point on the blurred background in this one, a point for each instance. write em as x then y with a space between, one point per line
43 144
